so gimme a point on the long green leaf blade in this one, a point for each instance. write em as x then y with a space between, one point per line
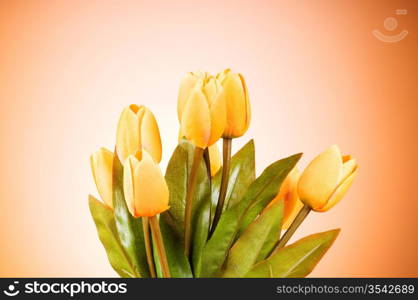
248 247
241 175
259 193
108 235
177 177
265 188
298 259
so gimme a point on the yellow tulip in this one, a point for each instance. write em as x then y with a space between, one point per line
326 179
101 164
238 110
145 189
288 192
138 130
203 113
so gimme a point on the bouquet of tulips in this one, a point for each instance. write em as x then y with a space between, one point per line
209 217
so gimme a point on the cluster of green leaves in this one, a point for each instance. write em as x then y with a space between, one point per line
242 244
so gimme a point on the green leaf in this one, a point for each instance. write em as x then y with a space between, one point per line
177 262
298 259
200 234
108 235
248 247
265 188
217 247
129 228
257 196
177 177
273 235
241 175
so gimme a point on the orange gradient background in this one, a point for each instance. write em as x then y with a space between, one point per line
316 76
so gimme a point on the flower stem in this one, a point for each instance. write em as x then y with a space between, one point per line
198 153
206 157
157 237
148 246
226 153
303 213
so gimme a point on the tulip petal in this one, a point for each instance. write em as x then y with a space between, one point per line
348 168
150 188
247 104
215 159
102 165
321 177
128 183
150 136
339 193
127 137
218 118
237 105
186 86
196 122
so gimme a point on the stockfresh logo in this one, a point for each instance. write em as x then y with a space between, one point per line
12 290
63 288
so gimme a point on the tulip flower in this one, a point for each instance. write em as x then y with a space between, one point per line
203 113
238 109
238 116
101 164
146 192
322 185
326 179
288 192
138 130
146 195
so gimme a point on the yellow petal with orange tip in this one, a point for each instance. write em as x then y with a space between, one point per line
150 136
151 190
321 177
215 159
196 120
339 192
102 165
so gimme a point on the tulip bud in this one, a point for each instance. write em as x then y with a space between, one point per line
288 192
138 130
145 189
238 110
326 179
203 113
102 164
